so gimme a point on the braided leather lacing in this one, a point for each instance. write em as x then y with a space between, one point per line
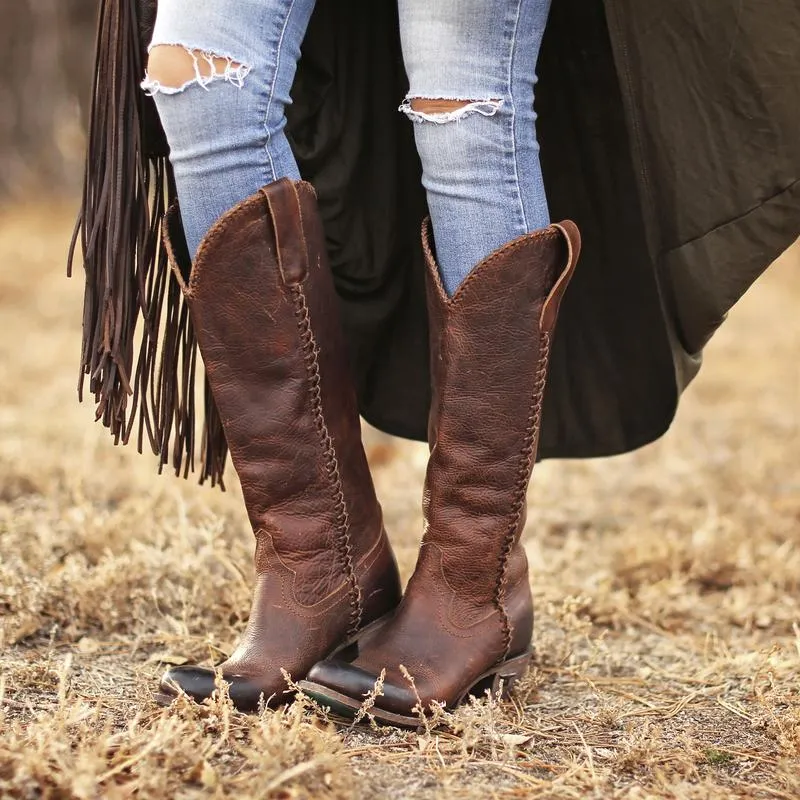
331 464
527 456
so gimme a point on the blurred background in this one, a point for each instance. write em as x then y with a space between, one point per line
47 48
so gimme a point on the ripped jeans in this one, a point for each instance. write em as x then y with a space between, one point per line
225 122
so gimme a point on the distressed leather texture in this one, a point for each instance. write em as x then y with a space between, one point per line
267 322
468 604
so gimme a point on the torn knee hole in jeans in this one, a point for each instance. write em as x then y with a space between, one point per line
172 68
441 110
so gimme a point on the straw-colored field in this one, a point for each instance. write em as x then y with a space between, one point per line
667 586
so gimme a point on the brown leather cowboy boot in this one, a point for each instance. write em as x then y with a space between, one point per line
266 317
466 620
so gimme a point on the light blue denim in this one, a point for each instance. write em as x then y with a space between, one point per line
226 135
480 164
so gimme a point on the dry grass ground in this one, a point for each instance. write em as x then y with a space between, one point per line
667 586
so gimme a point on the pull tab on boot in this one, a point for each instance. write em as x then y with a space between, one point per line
572 238
291 251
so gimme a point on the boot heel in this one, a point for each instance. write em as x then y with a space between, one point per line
508 673
501 679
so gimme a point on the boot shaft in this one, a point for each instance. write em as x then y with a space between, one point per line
266 317
490 344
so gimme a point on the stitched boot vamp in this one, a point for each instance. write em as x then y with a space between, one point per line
444 643
284 631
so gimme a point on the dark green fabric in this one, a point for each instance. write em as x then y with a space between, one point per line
670 132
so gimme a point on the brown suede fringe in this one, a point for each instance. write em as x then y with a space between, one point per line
142 380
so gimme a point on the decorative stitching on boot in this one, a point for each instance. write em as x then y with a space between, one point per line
527 456
520 243
331 466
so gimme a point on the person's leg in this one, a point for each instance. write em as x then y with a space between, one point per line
466 619
220 73
471 66
264 313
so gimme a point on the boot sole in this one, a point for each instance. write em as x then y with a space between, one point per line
499 679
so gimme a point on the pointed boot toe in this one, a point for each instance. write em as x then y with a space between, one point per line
196 682
247 693
344 687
